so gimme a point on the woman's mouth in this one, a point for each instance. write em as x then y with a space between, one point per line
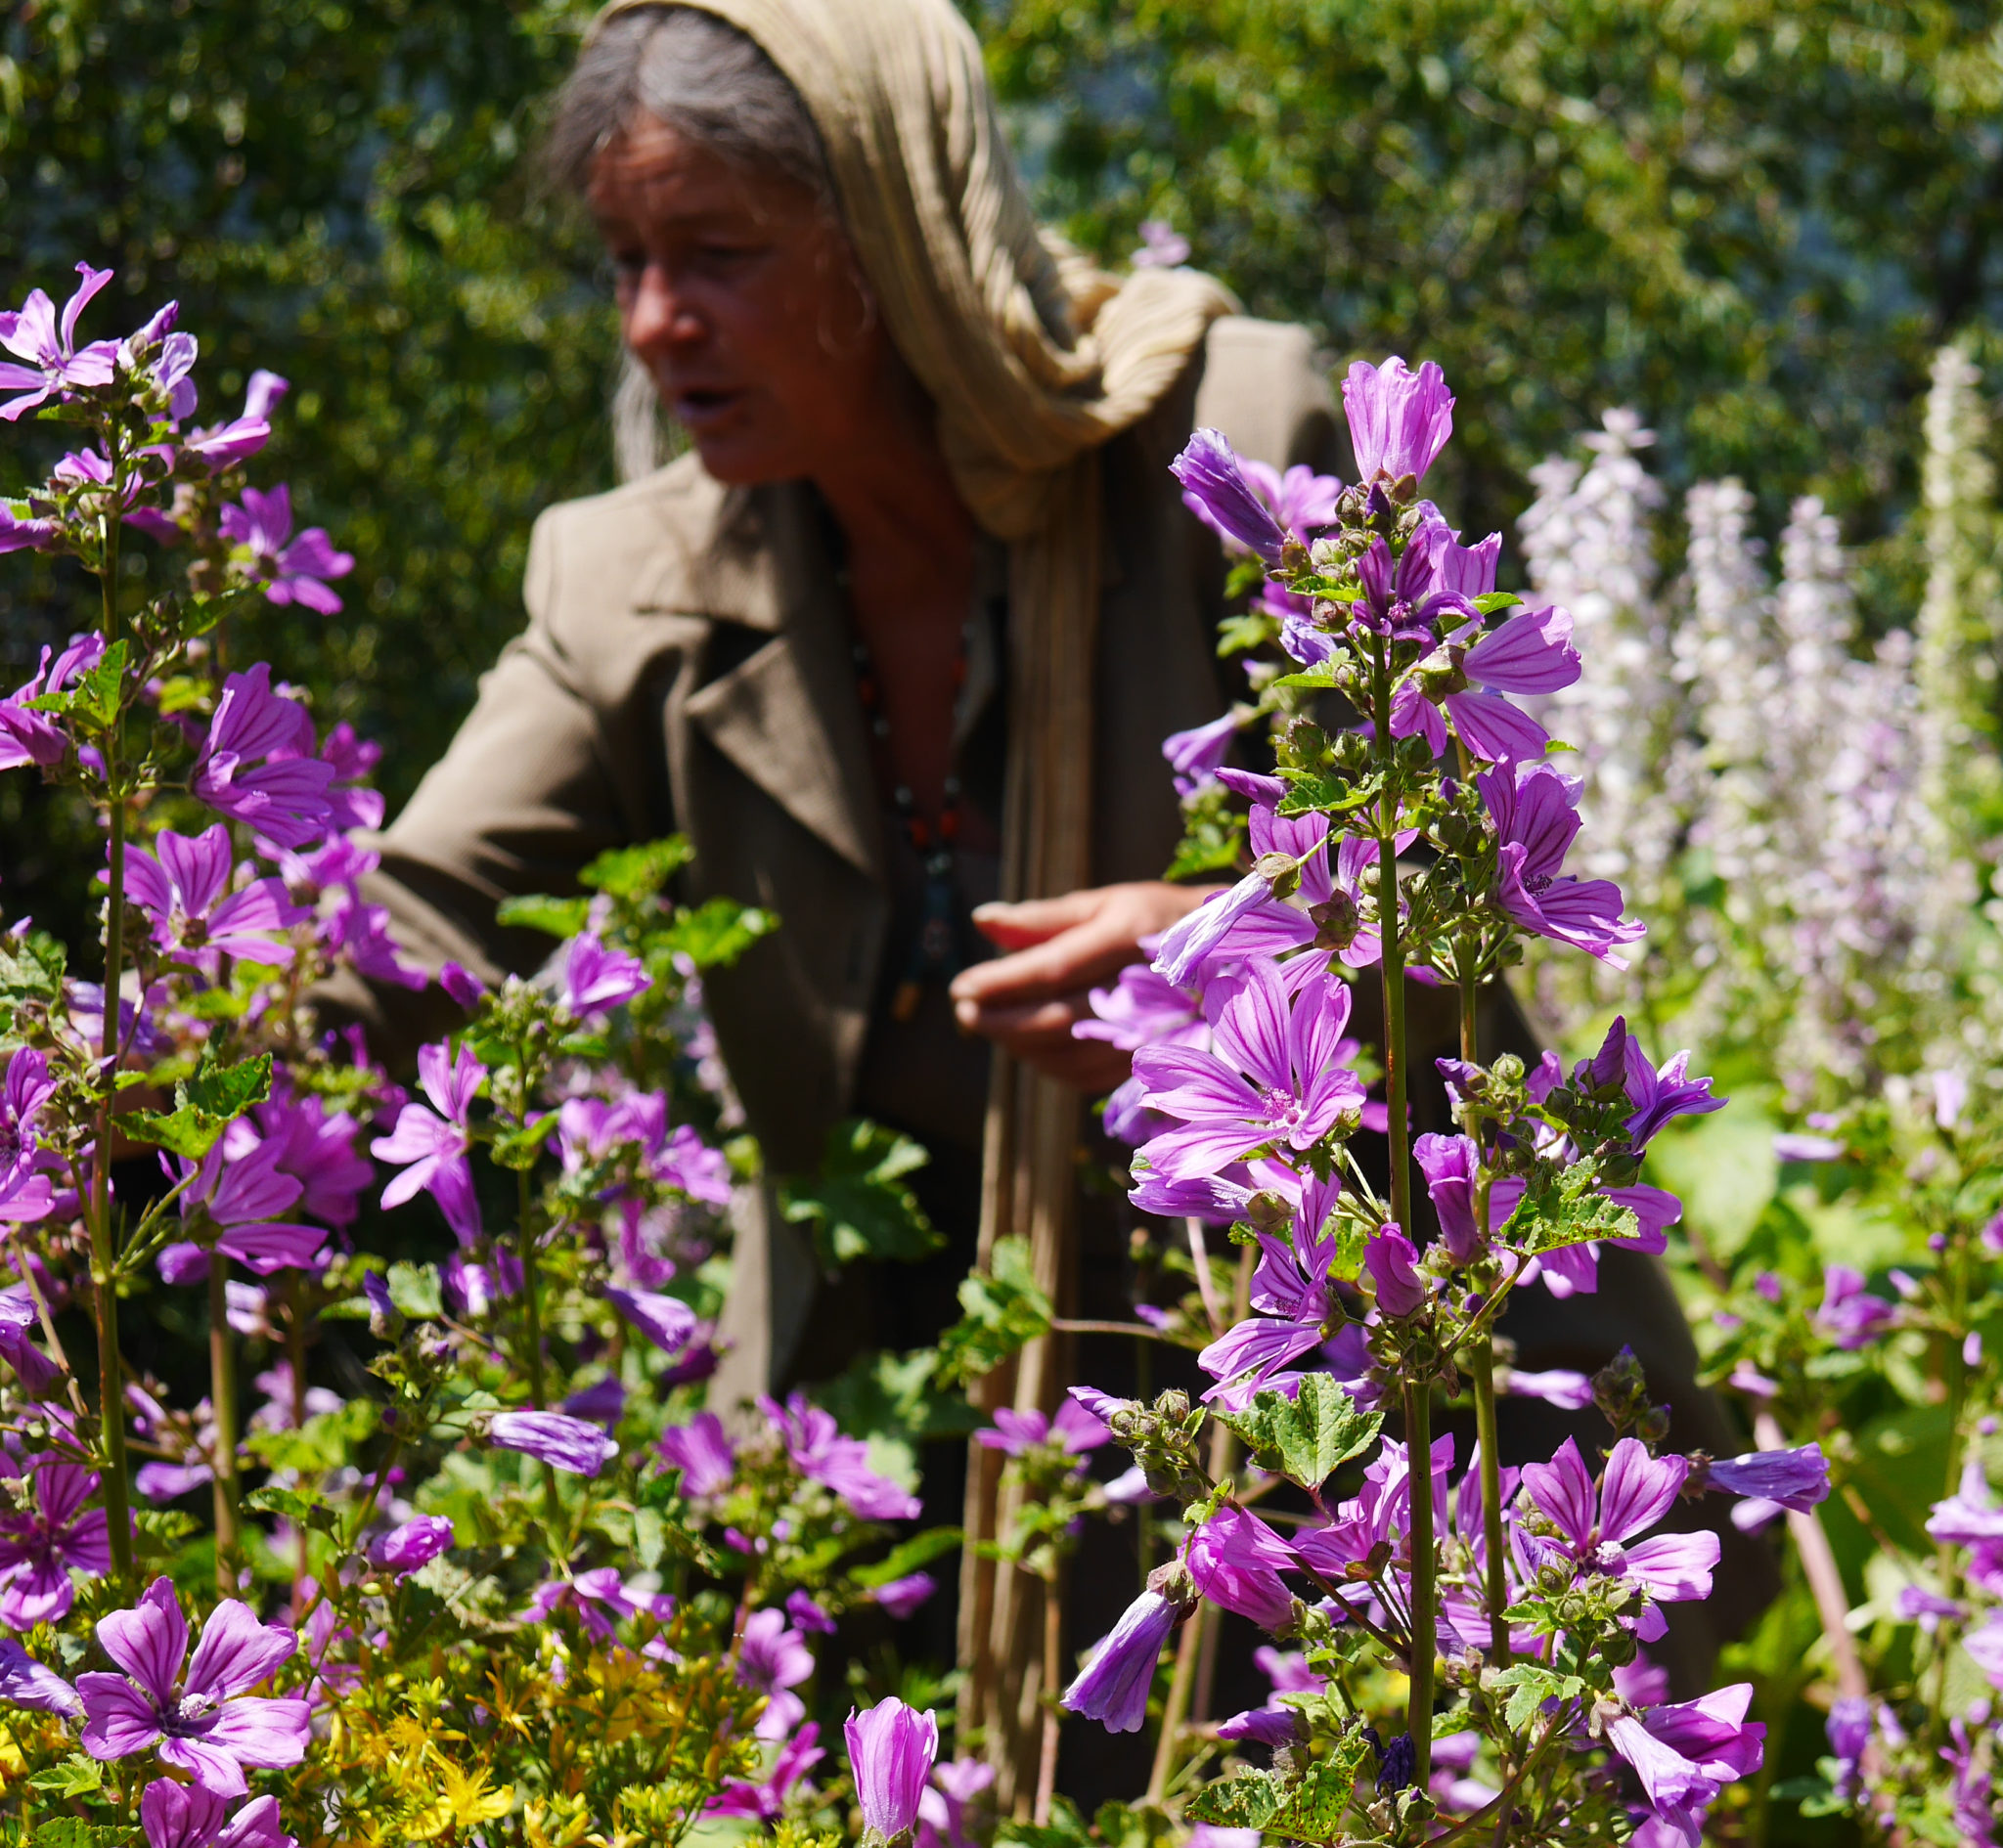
699 407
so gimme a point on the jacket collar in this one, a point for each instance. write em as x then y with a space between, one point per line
786 715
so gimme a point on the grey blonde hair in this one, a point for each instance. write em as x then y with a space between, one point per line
707 80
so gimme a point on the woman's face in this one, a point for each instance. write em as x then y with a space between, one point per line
744 303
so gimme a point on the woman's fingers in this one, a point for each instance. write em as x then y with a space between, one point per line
1061 944
1039 1032
1018 926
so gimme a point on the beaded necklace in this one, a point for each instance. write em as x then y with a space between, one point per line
935 953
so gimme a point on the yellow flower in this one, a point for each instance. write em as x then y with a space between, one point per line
461 1801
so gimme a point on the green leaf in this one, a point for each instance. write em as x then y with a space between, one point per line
205 1104
302 1511
1250 1801
415 1290
1550 1220
1003 1310
74 1775
1313 1809
322 1444
858 1204
537 911
1490 601
1533 1684
67 1832
716 932
638 873
650 1537
901 1562
1320 680
1314 794
30 969
1308 1438
93 697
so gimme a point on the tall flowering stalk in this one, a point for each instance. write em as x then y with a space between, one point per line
1428 837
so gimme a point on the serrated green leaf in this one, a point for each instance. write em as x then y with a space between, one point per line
415 1290
1548 1222
1002 1311
302 1511
1318 680
68 1831
1306 1438
638 873
205 1103
901 1562
227 1090
1313 1809
74 1775
322 1444
1250 1801
857 1205
538 912
650 1537
716 932
1314 794
30 968
1533 1684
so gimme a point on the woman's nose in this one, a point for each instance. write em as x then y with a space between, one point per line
660 314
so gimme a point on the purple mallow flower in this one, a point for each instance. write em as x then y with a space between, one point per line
41 1546
702 1451
413 1545
1392 1260
32 737
822 1454
1290 1292
1534 812
775 1659
1399 419
225 445
1217 489
1236 1561
257 766
562 1442
1529 653
241 1198
891 1749
1162 246
1597 1531
1685 1755
35 1371
186 1816
26 1683
205 1722
595 978
903 1595
433 1144
291 570
665 1321
1113 1686
1271 1077
765 1802
1194 755
56 365
1795 1479
184 889
1851 1315
1074 1429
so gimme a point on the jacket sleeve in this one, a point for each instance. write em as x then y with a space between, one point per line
524 797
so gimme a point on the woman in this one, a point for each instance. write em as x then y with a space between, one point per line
925 542
903 633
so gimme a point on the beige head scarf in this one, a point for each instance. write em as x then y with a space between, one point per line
1034 358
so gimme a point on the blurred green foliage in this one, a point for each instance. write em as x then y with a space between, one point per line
1749 219
343 193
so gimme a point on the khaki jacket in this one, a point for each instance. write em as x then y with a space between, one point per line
685 668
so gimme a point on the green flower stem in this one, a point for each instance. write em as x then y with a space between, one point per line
1418 1403
103 1255
1481 1355
295 1352
222 1388
532 1311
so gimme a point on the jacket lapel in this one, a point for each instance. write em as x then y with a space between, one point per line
786 715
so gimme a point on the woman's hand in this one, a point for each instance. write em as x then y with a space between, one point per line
1055 950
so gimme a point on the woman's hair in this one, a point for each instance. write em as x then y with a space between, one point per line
702 77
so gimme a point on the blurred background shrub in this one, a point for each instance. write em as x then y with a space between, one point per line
1752 222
